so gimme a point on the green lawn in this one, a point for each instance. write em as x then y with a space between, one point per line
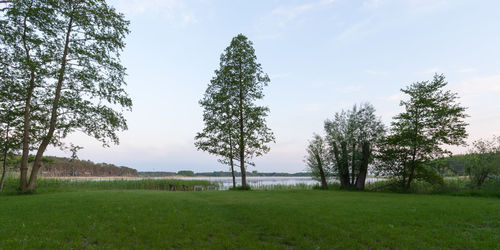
308 219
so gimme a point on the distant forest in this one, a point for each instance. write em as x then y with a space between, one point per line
65 167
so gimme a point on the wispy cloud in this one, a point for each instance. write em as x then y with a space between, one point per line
480 85
271 25
285 15
175 11
425 6
395 97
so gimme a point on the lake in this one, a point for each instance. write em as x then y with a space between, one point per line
258 181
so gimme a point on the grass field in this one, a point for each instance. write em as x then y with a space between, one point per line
306 219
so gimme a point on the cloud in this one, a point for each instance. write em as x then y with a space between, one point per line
395 97
284 15
359 29
480 85
175 11
271 25
426 6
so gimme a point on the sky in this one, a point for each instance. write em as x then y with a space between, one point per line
322 56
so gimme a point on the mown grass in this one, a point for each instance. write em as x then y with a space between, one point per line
47 185
304 219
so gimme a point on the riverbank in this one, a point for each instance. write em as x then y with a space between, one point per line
307 219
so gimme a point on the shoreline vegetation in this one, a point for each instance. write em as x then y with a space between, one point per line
451 186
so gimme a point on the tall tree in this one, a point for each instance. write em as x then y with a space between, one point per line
23 30
218 137
241 83
10 114
69 52
431 118
352 135
318 160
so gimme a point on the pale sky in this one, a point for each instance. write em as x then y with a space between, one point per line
322 56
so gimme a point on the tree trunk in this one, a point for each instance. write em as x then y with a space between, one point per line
4 170
353 171
55 107
232 171
324 184
412 171
27 115
363 169
6 149
342 164
242 134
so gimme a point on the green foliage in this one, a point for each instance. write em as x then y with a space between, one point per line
318 160
483 160
431 118
347 133
235 126
64 65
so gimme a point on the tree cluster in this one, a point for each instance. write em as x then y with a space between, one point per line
346 150
356 139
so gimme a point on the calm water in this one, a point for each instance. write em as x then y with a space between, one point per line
227 182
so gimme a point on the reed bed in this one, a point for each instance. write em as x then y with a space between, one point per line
54 184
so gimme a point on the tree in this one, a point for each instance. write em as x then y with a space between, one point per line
10 125
219 134
352 135
239 84
68 54
318 160
431 118
483 160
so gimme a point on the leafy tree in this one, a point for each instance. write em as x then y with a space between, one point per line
318 160
431 118
240 82
483 160
10 125
352 135
68 54
219 134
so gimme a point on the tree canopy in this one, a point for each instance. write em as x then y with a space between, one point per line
432 117
235 126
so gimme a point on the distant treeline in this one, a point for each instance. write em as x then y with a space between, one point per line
58 166
219 174
64 167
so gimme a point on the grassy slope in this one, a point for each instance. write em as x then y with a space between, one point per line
254 219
